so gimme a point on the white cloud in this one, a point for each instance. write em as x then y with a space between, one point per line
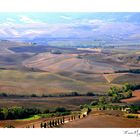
13 32
65 17
2 32
10 19
26 19
96 22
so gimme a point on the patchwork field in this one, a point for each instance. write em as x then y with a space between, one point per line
50 73
70 62
39 83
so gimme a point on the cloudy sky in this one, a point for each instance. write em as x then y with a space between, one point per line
63 24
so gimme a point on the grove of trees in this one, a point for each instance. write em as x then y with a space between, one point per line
116 94
17 113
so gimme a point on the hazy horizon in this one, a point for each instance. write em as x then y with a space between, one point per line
95 25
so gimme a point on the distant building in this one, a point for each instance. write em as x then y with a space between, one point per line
90 49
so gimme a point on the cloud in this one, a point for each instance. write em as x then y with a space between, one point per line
26 19
66 17
10 20
96 22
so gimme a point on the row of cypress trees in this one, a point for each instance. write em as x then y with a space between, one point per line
56 122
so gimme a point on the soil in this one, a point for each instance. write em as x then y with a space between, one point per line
104 119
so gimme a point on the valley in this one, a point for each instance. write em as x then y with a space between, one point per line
69 69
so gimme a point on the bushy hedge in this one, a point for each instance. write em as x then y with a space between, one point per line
74 93
17 113
21 112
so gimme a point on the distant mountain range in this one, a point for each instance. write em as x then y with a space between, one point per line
39 26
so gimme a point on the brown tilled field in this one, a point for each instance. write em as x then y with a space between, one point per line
104 119
39 83
72 103
67 62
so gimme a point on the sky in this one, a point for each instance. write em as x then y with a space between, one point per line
69 5
67 24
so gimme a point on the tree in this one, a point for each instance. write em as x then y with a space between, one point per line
53 123
114 99
129 93
134 109
5 113
94 103
81 107
74 94
50 123
102 100
10 126
113 90
90 94
41 125
127 87
46 111
45 125
33 95
63 119
1 115
60 109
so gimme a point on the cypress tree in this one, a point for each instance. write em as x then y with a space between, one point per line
61 121
45 125
53 123
41 125
50 124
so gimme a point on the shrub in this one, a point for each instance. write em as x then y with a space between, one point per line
90 94
94 103
46 111
134 109
127 87
132 116
113 90
74 94
102 100
33 95
9 126
81 107
17 112
3 94
129 94
60 109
